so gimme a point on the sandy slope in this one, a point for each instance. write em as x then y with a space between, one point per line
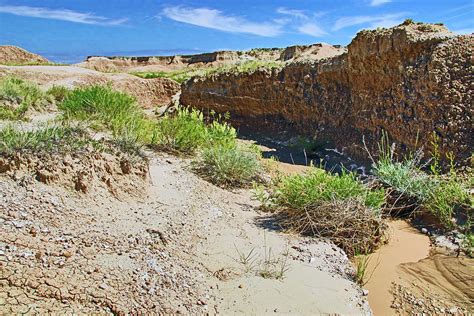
169 249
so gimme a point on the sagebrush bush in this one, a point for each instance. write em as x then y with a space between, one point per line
229 165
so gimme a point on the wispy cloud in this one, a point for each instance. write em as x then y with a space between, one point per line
311 29
374 21
215 19
375 3
290 19
300 14
60 14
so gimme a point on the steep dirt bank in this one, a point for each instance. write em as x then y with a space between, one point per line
148 92
17 55
410 80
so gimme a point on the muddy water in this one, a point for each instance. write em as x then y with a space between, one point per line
405 245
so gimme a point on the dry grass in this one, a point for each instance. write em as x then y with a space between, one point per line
350 224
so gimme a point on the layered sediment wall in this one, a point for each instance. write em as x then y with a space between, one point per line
410 81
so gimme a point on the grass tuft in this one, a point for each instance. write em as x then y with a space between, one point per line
17 96
49 139
187 130
105 108
416 186
338 207
229 165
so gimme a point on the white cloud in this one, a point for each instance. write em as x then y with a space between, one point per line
374 21
294 13
375 3
60 14
215 19
311 29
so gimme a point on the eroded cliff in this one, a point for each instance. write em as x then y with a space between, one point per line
411 81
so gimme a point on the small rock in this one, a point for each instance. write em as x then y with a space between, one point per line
241 286
103 286
424 230
365 292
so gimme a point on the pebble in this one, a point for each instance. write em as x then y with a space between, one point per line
103 286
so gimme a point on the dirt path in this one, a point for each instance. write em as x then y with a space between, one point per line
174 248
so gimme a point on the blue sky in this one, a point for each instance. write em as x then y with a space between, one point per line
67 31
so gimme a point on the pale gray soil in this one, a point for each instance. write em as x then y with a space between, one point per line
174 248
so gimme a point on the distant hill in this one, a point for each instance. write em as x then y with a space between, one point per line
11 55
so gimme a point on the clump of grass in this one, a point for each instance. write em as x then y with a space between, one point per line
269 265
302 191
105 108
187 130
229 165
179 76
58 93
415 187
338 207
361 262
13 140
17 96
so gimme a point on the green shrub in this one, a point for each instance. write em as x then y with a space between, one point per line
441 194
186 130
301 191
338 207
229 165
58 93
17 96
104 107
405 178
48 139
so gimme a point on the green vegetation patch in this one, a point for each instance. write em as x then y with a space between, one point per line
441 194
338 207
188 130
316 186
229 165
48 139
17 96
183 75
105 108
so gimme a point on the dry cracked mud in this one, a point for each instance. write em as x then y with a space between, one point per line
174 248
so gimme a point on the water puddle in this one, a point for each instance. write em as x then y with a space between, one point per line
406 244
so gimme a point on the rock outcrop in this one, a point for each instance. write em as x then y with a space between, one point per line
410 81
17 55
311 52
